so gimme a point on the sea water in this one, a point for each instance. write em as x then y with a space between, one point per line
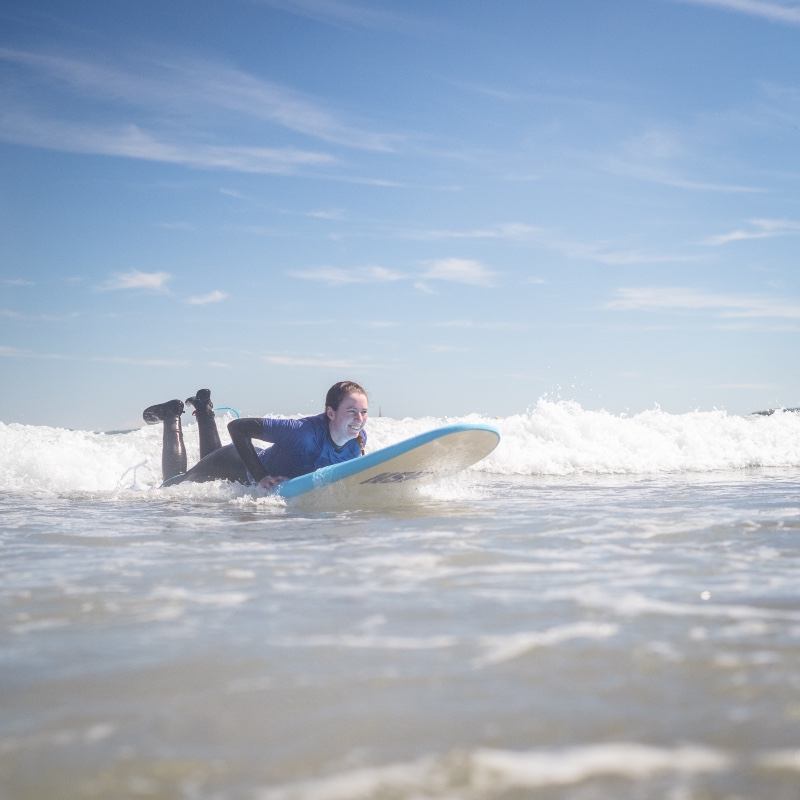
606 607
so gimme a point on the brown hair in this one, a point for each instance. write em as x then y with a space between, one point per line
334 398
340 390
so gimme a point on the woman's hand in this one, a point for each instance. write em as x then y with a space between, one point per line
271 481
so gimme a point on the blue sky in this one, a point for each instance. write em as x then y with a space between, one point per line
464 205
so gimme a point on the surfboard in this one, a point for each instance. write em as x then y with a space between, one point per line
392 475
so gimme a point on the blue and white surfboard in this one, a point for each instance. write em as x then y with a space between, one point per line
395 473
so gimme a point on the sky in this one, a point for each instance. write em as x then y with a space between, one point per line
464 206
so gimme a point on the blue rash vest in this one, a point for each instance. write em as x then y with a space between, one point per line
302 445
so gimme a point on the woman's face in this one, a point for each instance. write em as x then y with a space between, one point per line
347 420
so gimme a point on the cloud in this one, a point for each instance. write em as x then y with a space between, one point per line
468 324
235 193
453 270
731 306
379 324
199 91
760 229
333 214
204 299
606 254
140 362
178 226
507 231
672 179
344 13
772 11
661 156
132 141
755 387
447 348
19 315
761 327
15 352
600 252
338 276
310 361
151 281
310 323
16 282
459 270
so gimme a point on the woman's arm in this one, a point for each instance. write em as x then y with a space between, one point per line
242 432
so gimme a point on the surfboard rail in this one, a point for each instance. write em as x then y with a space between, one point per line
420 458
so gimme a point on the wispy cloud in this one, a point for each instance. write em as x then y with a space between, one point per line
15 282
754 387
379 324
340 276
204 299
331 214
738 306
672 178
140 362
785 12
196 91
759 229
343 13
310 361
132 141
662 156
469 324
150 281
581 95
25 317
604 253
447 348
16 352
599 252
459 270
235 193
506 231
178 226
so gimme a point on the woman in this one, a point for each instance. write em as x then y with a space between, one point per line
299 445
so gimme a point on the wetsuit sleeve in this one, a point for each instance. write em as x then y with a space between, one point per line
242 432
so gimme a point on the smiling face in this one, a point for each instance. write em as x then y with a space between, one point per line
348 419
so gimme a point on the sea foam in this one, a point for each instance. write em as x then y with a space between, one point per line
550 439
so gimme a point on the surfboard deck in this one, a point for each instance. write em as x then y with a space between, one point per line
392 475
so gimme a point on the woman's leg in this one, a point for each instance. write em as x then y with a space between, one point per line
206 424
173 451
223 464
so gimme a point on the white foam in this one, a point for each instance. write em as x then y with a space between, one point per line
62 737
490 772
573 765
370 642
552 438
178 594
788 760
563 439
634 604
513 646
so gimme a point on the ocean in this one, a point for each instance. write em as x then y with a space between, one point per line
606 607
